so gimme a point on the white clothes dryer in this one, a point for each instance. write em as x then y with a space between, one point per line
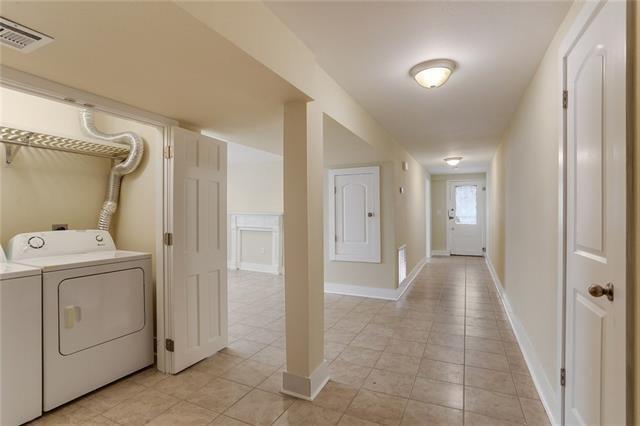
96 305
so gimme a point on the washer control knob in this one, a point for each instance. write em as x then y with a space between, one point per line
36 242
99 238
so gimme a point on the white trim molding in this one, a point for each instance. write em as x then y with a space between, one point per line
376 292
548 396
252 222
306 388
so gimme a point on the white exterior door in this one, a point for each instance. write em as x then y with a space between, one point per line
596 222
198 270
465 208
355 214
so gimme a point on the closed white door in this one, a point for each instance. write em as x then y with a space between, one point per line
198 269
596 222
465 207
355 214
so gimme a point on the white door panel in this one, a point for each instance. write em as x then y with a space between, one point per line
596 221
465 206
199 279
354 213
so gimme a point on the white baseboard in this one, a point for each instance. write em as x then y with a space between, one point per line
255 267
306 388
376 292
550 400
440 253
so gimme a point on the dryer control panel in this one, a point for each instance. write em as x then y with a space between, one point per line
58 243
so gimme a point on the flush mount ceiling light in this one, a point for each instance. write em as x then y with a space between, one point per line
453 161
433 73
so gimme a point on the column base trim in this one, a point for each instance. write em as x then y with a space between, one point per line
306 388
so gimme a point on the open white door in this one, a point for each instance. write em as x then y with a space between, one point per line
465 207
354 214
198 261
596 221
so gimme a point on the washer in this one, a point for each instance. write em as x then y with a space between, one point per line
20 343
96 310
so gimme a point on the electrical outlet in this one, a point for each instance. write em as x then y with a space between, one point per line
59 227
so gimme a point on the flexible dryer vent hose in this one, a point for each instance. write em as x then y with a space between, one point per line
128 165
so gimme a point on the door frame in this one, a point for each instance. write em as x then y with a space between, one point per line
580 24
47 89
482 184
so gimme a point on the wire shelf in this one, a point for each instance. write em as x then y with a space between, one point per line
19 138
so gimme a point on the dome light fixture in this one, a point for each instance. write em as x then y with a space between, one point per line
433 73
453 161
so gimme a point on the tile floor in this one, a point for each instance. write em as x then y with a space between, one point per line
443 354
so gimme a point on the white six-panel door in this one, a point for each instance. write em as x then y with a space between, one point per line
354 214
596 222
198 284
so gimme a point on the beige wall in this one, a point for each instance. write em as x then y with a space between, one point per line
343 149
524 186
410 208
255 187
496 207
43 187
439 218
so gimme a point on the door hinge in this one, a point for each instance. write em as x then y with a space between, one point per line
168 151
565 99
169 345
484 249
336 238
335 189
168 238
563 377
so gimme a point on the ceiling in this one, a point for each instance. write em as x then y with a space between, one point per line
369 47
157 57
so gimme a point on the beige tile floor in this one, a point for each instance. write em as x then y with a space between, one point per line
443 354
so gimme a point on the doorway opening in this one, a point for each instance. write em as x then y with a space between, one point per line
255 260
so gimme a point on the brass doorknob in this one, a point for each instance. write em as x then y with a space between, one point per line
596 290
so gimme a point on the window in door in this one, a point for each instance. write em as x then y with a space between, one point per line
466 205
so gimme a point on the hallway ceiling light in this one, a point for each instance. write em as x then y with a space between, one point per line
433 73
453 161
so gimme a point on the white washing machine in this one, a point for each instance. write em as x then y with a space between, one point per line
20 343
96 306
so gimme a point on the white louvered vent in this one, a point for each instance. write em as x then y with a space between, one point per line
402 264
21 38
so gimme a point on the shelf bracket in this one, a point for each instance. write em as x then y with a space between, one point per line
10 152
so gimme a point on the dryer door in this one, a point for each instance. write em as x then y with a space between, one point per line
94 309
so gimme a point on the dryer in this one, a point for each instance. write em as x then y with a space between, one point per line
96 309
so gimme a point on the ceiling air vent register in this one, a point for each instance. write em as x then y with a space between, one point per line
21 38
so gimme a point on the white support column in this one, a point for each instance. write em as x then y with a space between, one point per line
306 372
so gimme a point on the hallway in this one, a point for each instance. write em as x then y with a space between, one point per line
443 354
